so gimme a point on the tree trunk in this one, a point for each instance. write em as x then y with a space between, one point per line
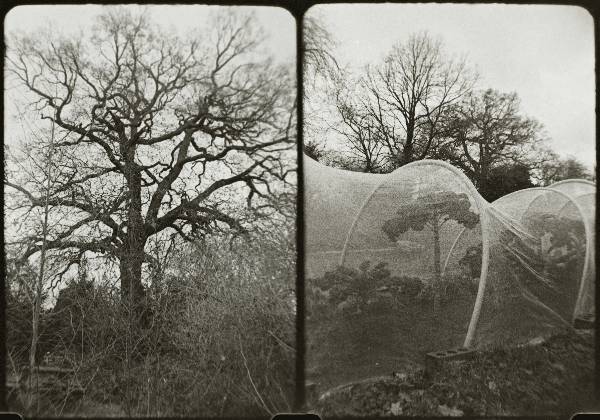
131 272
408 150
484 169
132 253
130 263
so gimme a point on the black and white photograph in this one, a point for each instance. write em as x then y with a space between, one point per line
449 209
150 189
350 209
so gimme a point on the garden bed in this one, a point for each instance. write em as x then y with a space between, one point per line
555 377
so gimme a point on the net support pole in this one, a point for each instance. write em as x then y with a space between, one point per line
485 258
355 220
452 250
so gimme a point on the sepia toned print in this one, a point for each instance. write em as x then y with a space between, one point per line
449 211
150 189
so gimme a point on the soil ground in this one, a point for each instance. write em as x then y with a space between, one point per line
552 378
382 338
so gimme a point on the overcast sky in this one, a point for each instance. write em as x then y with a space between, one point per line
543 53
278 24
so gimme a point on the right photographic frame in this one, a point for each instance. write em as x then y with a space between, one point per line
449 209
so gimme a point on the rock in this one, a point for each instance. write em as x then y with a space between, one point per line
386 295
396 409
536 341
401 376
344 306
446 411
404 397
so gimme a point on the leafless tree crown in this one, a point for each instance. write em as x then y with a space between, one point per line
156 133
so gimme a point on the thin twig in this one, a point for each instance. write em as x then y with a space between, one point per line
264 406
280 341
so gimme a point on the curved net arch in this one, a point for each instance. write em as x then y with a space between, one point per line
537 265
584 193
332 198
416 261
409 225
575 187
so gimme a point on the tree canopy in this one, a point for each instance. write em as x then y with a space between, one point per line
487 130
421 102
555 169
506 178
429 210
157 135
318 59
393 112
432 211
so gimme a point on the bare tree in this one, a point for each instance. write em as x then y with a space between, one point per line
318 59
38 289
313 150
160 134
361 132
33 279
407 95
555 169
486 130
321 69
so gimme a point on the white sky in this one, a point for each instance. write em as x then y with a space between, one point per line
279 24
543 53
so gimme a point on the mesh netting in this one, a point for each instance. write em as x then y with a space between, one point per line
583 193
415 261
332 202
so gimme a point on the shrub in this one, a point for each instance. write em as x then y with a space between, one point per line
359 285
410 286
217 336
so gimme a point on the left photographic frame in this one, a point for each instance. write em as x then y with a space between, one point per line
150 210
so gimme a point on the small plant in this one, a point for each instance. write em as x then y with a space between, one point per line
449 289
360 288
432 211
410 286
